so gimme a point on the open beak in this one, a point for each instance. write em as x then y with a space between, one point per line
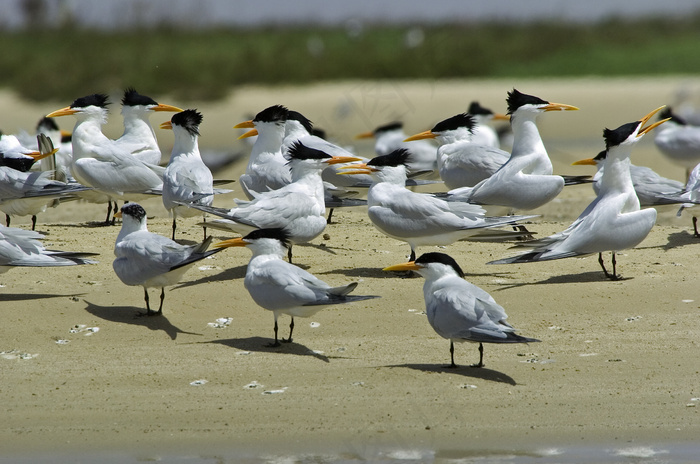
584 162
365 135
250 133
353 169
167 125
409 266
37 155
343 159
646 119
163 107
560 107
420 136
67 111
245 125
233 242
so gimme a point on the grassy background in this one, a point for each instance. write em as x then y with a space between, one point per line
194 65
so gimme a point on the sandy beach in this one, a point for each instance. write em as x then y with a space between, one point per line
617 367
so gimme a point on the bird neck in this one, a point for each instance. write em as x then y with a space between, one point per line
527 142
616 174
268 141
137 126
185 146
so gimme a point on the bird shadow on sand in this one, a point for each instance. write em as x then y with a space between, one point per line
581 277
34 296
465 371
132 315
680 239
233 273
260 344
365 272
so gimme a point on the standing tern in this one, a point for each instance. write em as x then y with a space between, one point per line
679 141
19 247
422 219
281 287
266 168
99 162
151 260
461 161
458 310
186 179
525 181
689 196
614 220
298 207
483 133
139 138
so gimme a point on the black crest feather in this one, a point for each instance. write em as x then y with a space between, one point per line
96 99
476 109
517 99
275 113
276 233
133 98
400 157
301 152
303 120
189 119
435 257
614 137
392 126
134 210
455 122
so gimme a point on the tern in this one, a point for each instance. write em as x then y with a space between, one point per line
298 207
458 310
461 161
679 141
422 219
390 137
266 168
186 179
483 133
525 181
151 260
19 247
281 287
139 138
99 162
614 220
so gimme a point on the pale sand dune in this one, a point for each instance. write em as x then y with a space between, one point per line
618 361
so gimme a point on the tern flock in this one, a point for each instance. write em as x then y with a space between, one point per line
293 175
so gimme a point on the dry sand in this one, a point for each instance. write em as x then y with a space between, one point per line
618 362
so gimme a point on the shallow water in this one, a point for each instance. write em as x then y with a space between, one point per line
664 453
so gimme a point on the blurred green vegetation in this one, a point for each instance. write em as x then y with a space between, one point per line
68 63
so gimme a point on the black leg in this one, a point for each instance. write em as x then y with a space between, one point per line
276 343
695 226
615 276
291 329
481 356
413 255
7 220
115 210
162 297
174 226
289 254
109 212
602 264
452 356
33 221
330 216
204 219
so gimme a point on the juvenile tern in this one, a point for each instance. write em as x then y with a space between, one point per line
139 138
151 260
614 220
525 181
19 247
281 287
458 310
298 207
186 179
421 219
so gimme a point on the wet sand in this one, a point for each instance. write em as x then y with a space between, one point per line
618 361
